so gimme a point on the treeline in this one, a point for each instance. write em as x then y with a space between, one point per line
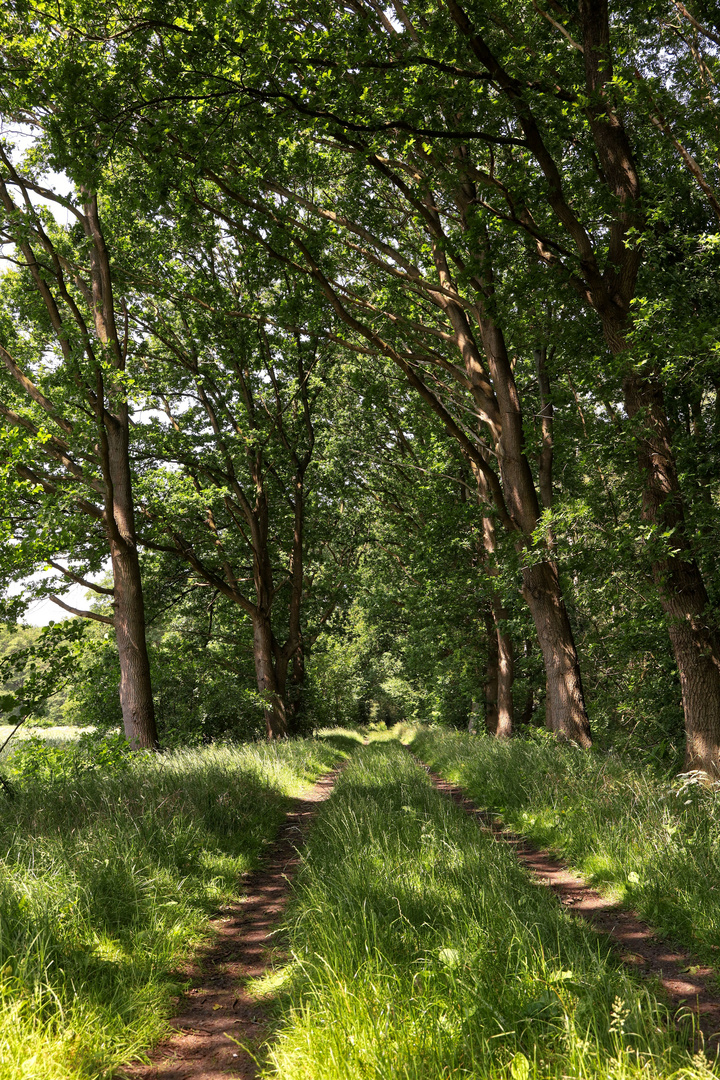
378 345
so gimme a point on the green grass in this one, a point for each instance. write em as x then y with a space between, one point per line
653 842
421 950
53 734
107 879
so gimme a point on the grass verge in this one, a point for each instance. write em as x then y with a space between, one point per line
421 950
108 875
651 841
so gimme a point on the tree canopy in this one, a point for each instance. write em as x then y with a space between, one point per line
379 342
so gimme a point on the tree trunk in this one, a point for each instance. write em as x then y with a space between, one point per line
505 670
272 694
528 707
541 585
529 704
491 675
297 681
499 673
136 699
684 599
566 700
501 666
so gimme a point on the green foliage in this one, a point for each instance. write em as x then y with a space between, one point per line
35 759
421 949
111 865
36 665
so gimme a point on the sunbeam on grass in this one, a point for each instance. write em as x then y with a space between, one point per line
650 840
108 878
422 950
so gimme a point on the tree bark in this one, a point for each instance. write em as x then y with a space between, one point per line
501 657
541 589
541 585
113 420
95 372
491 675
269 687
506 672
136 700
683 596
294 707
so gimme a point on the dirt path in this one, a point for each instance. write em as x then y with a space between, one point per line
218 1014
687 983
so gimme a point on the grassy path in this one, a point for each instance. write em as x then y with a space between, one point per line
221 1025
650 840
421 950
107 879
687 984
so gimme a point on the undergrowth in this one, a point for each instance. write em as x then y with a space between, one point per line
421 950
110 866
652 841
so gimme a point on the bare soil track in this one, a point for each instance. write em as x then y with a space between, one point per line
689 985
219 1017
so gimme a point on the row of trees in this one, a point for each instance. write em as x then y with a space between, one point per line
512 208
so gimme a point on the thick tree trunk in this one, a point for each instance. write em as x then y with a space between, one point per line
269 688
136 700
684 599
566 700
541 585
136 697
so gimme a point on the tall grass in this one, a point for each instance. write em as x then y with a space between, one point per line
421 950
107 878
651 840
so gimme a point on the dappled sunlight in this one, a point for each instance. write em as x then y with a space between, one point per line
109 878
422 947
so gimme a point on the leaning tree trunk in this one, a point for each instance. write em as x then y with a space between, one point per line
684 599
541 587
566 700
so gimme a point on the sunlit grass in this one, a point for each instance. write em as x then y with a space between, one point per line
421 950
56 735
106 884
650 840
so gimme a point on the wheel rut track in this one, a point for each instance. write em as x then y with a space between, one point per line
694 991
218 1018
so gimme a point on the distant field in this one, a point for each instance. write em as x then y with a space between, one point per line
52 735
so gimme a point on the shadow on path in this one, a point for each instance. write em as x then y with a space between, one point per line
688 985
218 1017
